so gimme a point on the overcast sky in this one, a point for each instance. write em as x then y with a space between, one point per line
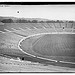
52 12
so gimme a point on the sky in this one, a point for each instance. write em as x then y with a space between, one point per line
52 12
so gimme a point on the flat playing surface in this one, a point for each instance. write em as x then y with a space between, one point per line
55 45
52 46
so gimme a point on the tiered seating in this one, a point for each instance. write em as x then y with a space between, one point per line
2 28
73 29
9 26
1 23
17 26
9 39
73 25
37 25
46 25
51 25
66 27
63 25
29 25
24 28
69 25
9 44
57 25
20 28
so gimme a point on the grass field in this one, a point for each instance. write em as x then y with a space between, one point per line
52 46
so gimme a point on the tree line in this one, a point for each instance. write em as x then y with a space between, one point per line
33 21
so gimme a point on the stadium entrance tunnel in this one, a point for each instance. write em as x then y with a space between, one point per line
60 47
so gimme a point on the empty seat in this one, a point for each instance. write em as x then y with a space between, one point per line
37 25
63 25
73 25
2 28
67 30
46 25
69 25
12 25
29 25
57 25
51 25
59 29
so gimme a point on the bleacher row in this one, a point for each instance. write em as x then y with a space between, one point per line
37 26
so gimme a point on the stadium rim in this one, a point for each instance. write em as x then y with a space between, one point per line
24 38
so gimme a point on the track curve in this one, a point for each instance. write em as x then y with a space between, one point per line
32 53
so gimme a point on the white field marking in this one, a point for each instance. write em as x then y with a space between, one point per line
47 59
32 36
8 30
67 62
24 51
2 32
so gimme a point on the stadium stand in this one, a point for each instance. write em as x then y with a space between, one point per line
9 43
57 25
73 25
69 25
14 32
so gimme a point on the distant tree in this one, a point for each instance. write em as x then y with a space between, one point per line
71 21
18 20
41 21
57 21
49 21
28 21
53 21
61 21
34 21
7 21
25 21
